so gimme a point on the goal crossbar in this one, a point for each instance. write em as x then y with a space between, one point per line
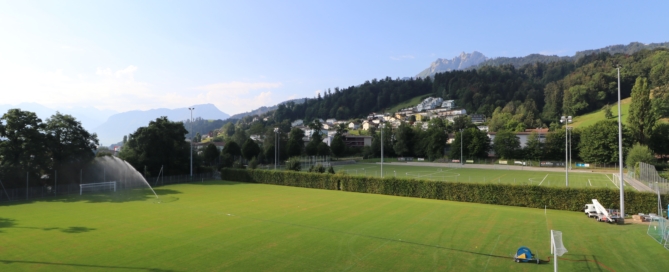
103 185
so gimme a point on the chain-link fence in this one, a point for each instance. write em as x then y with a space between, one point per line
647 174
44 186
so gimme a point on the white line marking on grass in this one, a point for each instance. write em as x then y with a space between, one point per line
590 182
542 181
611 179
493 249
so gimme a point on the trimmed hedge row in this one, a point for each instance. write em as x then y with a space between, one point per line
570 199
287 178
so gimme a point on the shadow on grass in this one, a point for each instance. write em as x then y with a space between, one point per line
82 266
122 196
77 230
11 223
6 223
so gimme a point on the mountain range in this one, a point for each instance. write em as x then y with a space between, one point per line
476 59
118 125
111 126
461 62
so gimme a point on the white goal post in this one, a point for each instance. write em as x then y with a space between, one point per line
557 247
98 186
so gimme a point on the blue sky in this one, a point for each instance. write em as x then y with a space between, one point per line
240 55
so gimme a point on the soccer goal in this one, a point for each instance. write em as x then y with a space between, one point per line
557 247
97 187
658 230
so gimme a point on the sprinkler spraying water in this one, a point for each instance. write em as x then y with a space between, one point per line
126 175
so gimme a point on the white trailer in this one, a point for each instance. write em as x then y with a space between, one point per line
603 215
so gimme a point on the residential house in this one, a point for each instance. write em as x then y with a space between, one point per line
357 140
429 103
448 104
353 126
331 121
478 118
296 123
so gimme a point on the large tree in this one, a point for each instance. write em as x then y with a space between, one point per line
599 142
659 141
295 142
437 138
22 144
211 154
69 143
641 117
250 149
506 144
161 143
403 140
338 146
534 148
475 144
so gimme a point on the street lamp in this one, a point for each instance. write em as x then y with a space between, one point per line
276 146
566 121
191 142
620 154
382 126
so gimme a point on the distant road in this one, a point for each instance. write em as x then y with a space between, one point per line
489 166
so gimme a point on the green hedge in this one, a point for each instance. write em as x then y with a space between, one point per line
287 178
570 199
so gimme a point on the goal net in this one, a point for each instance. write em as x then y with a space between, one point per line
557 247
658 229
97 187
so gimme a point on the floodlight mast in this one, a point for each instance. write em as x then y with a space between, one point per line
382 126
566 120
620 154
191 142
461 135
276 157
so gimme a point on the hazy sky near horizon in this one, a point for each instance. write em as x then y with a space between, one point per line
240 55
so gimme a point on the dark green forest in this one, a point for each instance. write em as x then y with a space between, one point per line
546 90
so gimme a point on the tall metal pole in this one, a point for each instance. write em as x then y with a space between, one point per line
566 120
570 150
27 188
278 147
382 126
461 139
191 142
620 154
566 154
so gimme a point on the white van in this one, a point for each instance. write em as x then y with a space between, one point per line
590 210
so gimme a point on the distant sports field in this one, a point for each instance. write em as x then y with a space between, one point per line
541 178
226 226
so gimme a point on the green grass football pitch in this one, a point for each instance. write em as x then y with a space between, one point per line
541 178
227 226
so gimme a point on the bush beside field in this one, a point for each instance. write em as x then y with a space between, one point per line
570 199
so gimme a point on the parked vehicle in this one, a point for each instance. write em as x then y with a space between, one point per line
590 210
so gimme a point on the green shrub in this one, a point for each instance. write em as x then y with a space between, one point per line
318 168
570 199
294 164
253 164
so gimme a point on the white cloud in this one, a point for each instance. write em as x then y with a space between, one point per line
317 92
235 97
117 89
402 57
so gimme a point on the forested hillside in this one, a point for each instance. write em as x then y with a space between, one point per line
534 94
